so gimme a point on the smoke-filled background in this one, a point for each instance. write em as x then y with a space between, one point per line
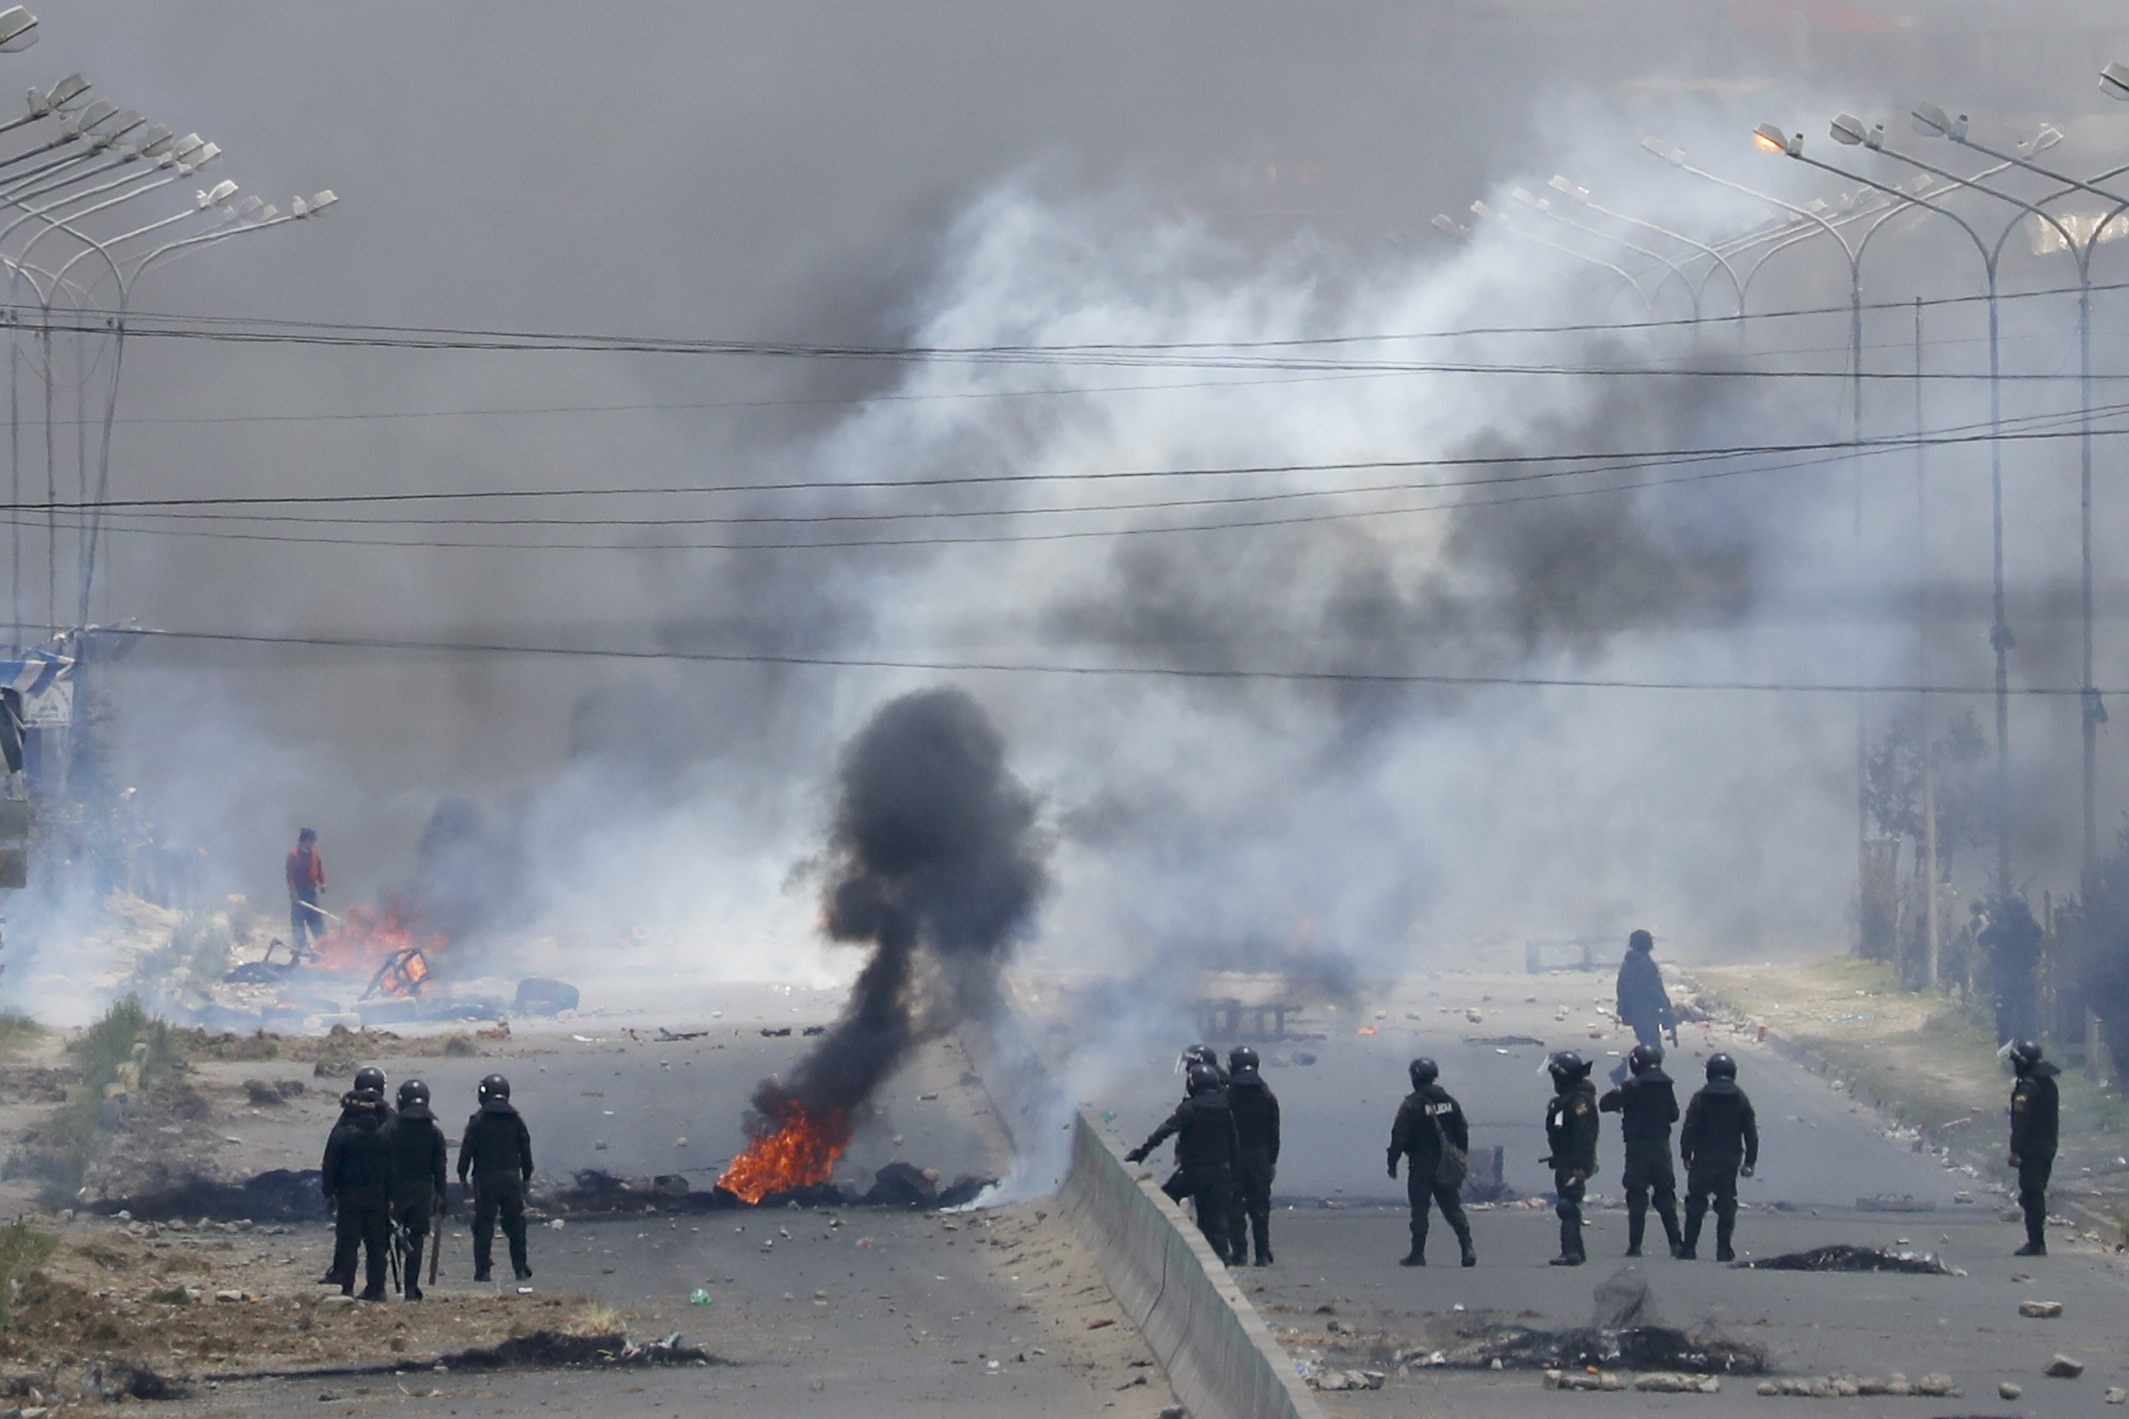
1248 432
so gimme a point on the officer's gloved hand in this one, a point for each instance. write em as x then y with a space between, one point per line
1136 1155
1745 1171
1393 1167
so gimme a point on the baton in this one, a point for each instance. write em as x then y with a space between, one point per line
436 1251
313 906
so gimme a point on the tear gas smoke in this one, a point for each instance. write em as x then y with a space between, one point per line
936 861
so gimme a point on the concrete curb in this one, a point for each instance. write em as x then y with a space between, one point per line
1219 1355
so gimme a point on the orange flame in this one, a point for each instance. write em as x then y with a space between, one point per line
374 941
800 1152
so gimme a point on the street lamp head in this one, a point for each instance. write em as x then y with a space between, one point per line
1933 122
1769 138
323 198
219 193
63 95
97 111
1480 209
1847 128
1443 223
207 153
2048 136
248 209
152 144
1674 156
1561 184
2114 81
18 30
1529 199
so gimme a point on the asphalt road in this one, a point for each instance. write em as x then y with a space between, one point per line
1810 1323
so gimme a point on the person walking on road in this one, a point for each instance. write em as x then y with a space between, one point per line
1430 1132
419 1176
1206 1146
1719 1142
497 1150
1571 1131
356 1177
2034 1109
306 883
1256 1113
1647 1107
1643 1003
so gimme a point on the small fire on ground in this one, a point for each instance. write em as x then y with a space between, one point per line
791 1149
379 943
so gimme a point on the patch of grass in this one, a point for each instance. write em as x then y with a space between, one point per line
17 1030
129 1048
596 1319
22 1250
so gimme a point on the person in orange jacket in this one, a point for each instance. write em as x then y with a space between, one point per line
306 883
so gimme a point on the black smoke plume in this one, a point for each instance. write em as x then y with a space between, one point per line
936 860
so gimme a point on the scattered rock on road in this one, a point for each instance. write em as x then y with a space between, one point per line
2040 1310
2062 1367
2007 1390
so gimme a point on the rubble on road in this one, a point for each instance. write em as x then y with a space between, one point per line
1344 1379
2040 1310
1895 1385
2062 1367
1669 1383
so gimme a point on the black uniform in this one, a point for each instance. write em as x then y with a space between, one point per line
419 1176
1205 1150
2034 1109
1426 1119
1643 1003
497 1150
1256 1114
356 1177
1647 1107
1571 1131
1720 1134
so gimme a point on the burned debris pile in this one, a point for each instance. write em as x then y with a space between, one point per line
596 1193
1842 1257
1641 1347
280 1195
561 1349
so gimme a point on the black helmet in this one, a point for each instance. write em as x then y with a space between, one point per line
413 1092
370 1077
1567 1065
1424 1071
1644 1057
1721 1066
367 1098
495 1086
1641 941
1203 1077
2023 1054
1242 1057
1202 1054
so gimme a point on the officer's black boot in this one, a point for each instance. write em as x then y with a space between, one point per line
1260 1227
1418 1255
412 1290
2036 1233
1669 1217
1636 1223
518 1260
1463 1242
1686 1248
1570 1244
1725 1228
483 1255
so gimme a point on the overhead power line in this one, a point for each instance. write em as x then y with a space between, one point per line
1175 672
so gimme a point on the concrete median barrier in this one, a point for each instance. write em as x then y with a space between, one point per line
1220 1358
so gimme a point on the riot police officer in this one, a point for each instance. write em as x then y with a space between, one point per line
1209 1057
418 1176
1571 1131
355 1177
1647 1107
2034 1107
1256 1114
1205 1149
1719 1142
1429 1125
497 1150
